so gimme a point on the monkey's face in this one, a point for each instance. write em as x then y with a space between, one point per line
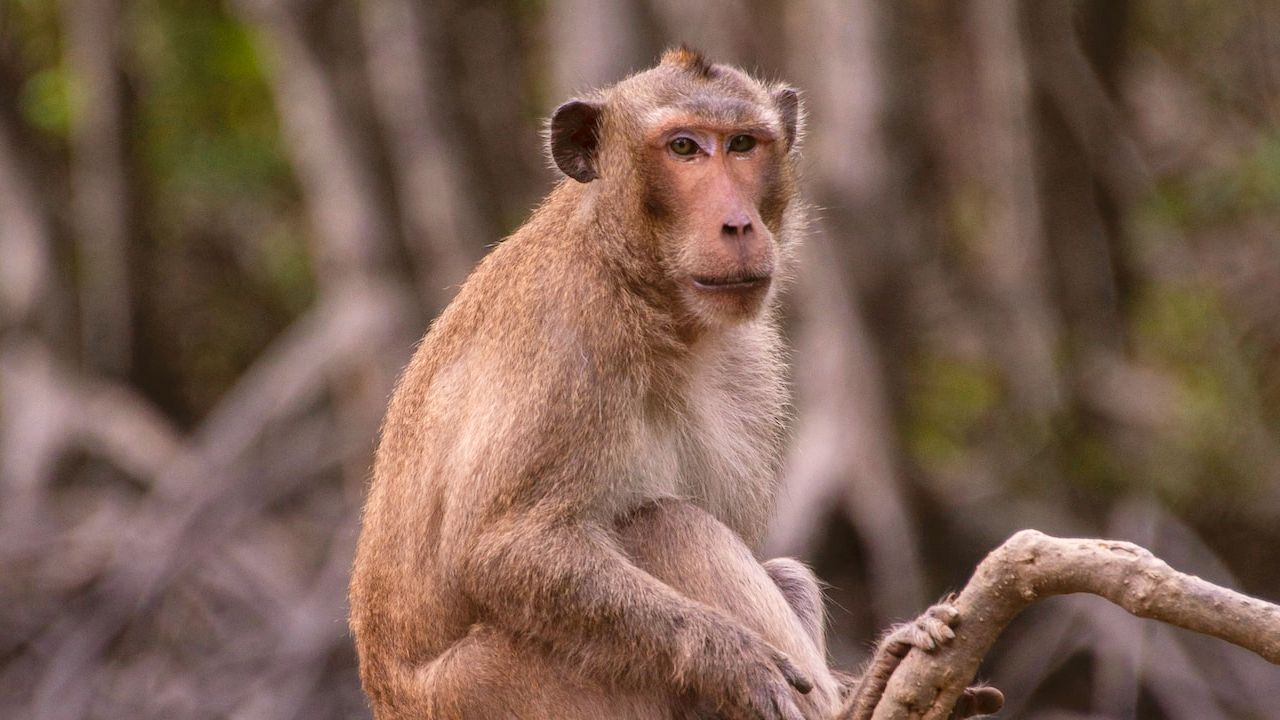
709 187
702 156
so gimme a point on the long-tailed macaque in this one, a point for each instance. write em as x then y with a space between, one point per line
580 456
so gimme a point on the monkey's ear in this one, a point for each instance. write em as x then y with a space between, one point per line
575 139
787 100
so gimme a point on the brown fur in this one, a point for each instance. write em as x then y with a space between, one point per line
579 455
578 458
491 673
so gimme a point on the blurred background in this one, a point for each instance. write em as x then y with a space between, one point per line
1042 290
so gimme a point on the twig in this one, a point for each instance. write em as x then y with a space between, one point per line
1031 566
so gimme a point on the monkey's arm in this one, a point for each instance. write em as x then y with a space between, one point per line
566 583
540 453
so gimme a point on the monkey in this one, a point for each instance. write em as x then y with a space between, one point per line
577 463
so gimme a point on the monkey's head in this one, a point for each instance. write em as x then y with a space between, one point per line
699 160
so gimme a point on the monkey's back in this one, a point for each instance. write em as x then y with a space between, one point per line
513 343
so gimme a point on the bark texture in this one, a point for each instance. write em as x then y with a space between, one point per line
1031 566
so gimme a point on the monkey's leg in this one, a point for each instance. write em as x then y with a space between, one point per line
490 675
696 555
927 632
803 593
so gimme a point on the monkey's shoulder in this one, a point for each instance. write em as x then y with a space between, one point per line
519 313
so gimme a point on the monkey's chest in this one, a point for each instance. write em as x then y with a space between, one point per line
717 457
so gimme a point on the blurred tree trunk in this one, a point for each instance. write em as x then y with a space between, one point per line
844 449
352 237
437 213
26 239
354 240
100 192
993 183
1089 168
592 44
497 82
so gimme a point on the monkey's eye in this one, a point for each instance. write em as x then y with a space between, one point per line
741 143
683 146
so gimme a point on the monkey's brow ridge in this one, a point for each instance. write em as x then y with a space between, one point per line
721 111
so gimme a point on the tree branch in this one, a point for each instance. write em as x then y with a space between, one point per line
1031 566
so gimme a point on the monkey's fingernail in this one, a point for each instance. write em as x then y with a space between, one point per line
946 613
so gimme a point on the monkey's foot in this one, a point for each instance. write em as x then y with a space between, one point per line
928 632
978 700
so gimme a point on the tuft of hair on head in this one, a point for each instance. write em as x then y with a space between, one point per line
689 59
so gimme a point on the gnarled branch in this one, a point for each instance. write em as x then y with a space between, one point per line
1031 566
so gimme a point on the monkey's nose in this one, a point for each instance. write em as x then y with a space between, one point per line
738 225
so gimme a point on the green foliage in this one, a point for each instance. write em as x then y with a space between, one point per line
1208 450
1248 182
45 101
228 248
30 27
208 127
949 400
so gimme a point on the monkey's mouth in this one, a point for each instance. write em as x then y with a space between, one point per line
739 281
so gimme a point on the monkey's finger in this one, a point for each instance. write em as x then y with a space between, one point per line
933 628
794 675
914 635
939 631
943 612
987 700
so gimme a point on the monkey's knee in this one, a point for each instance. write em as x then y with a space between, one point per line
803 593
669 515
686 547
676 540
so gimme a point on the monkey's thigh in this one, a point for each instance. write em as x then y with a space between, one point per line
489 676
690 550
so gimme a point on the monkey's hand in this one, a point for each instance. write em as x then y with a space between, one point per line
738 676
929 631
